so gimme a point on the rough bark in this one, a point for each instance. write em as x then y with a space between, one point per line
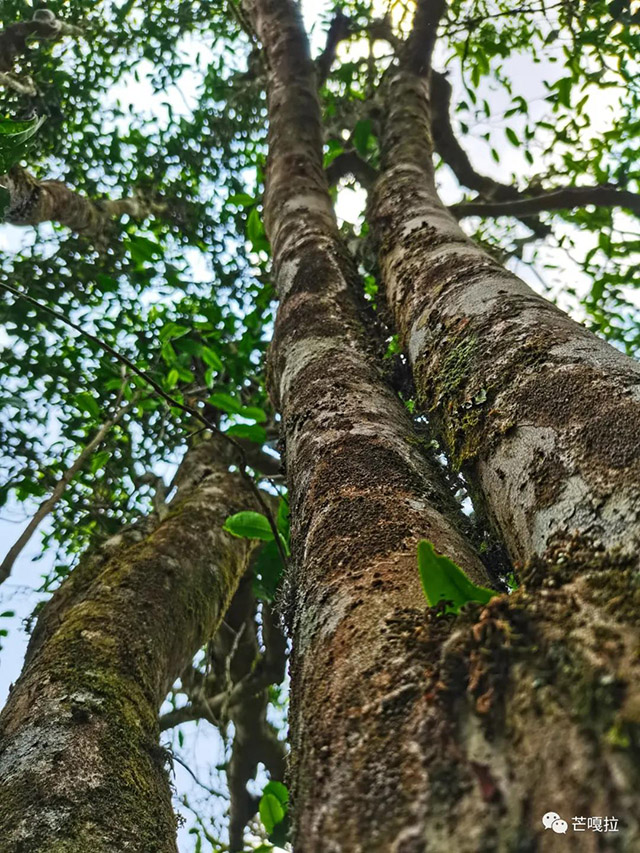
542 415
80 764
361 492
532 703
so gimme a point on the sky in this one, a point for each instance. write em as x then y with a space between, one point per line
20 592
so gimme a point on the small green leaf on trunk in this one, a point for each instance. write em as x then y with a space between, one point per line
249 525
271 811
443 580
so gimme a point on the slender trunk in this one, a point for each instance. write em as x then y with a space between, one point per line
80 764
362 495
539 413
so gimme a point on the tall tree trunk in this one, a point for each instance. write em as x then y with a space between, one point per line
362 496
81 768
541 414
535 699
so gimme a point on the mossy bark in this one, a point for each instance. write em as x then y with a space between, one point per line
530 704
362 495
540 414
81 769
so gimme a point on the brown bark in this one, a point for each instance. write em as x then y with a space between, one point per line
80 765
361 491
539 412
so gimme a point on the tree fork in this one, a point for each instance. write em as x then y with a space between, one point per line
80 764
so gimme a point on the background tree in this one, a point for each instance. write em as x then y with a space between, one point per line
507 436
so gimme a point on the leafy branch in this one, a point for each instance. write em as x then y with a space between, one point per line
172 401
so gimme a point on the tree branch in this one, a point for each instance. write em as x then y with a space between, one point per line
49 503
43 26
453 154
554 199
351 163
105 347
339 30
418 49
33 201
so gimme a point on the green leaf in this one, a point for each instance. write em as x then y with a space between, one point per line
564 90
252 432
225 403
255 228
249 525
15 138
99 460
361 135
211 358
512 136
271 811
283 518
268 569
143 250
242 200
442 580
87 403
280 791
253 413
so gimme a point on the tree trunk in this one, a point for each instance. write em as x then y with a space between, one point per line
362 495
81 768
532 703
540 414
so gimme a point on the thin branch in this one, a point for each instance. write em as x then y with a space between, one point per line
33 201
453 154
49 503
24 86
555 199
339 30
242 459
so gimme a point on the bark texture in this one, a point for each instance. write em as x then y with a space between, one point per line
542 415
532 703
80 764
362 495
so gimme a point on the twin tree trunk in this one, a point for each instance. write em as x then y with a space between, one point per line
411 731
81 769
